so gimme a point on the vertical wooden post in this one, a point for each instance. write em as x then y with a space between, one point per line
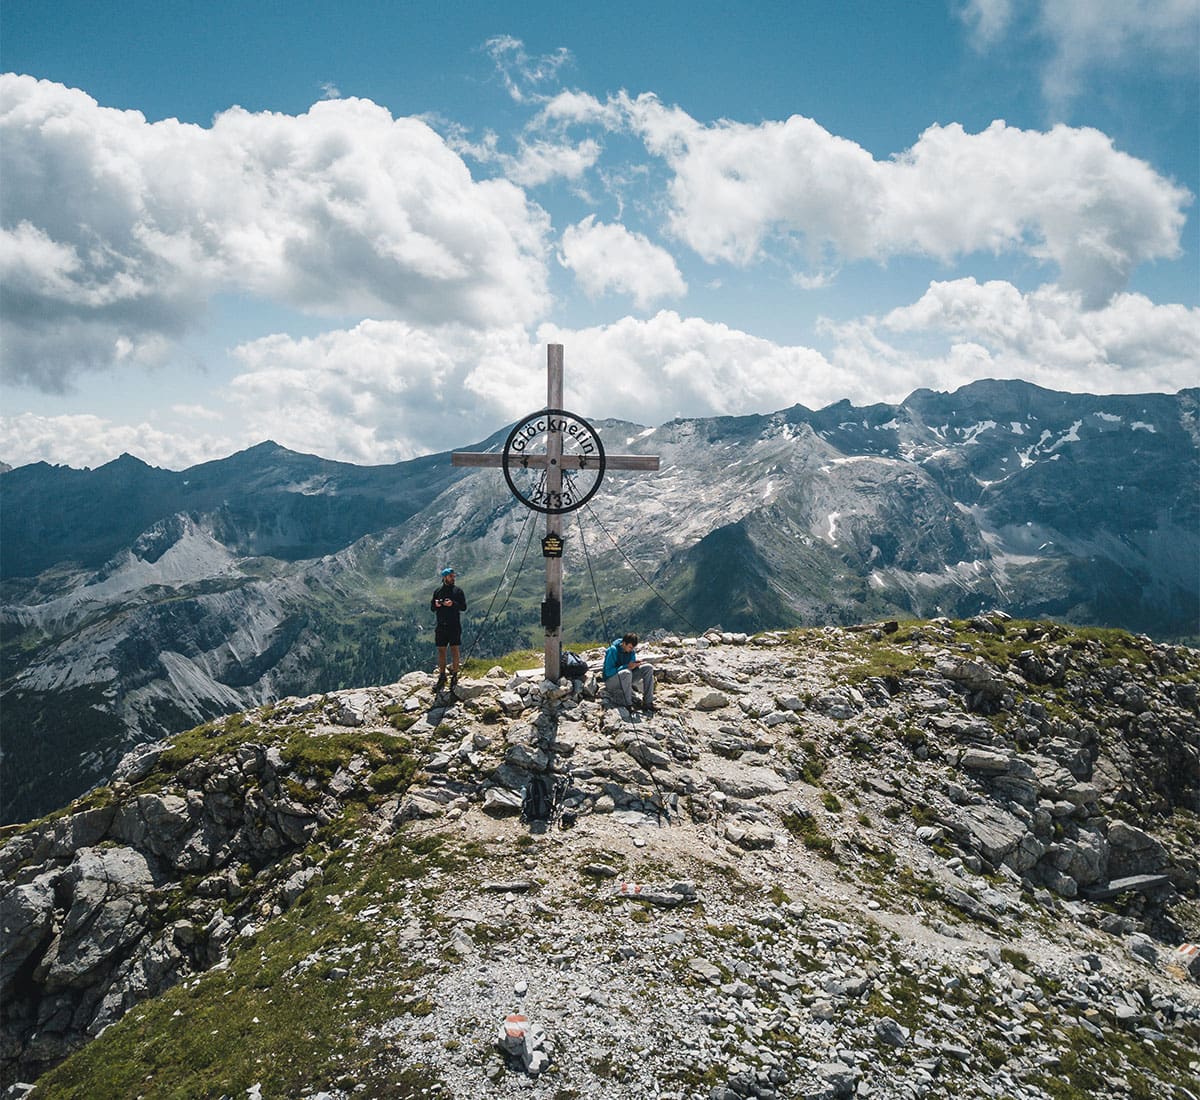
554 524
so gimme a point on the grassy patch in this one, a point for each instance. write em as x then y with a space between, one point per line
212 739
519 660
295 1011
923 815
693 1079
886 659
393 777
813 764
809 832
1017 959
318 757
607 1068
879 860
778 895
398 718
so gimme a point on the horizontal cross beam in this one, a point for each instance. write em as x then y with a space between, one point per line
480 459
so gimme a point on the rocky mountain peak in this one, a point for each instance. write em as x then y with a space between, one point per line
947 857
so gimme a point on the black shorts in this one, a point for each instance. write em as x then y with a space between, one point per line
447 635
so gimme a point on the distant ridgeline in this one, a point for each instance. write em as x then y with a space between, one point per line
140 601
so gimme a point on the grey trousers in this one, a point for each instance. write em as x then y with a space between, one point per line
620 687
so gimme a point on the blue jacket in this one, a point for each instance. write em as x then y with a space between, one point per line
615 658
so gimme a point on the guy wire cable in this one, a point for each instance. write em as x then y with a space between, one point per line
592 576
695 629
487 614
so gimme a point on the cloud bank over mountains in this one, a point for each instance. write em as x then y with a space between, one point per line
433 266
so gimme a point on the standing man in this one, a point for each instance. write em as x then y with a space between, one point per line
622 670
448 603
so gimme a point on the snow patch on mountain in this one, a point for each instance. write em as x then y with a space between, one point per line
1071 435
848 460
972 434
313 486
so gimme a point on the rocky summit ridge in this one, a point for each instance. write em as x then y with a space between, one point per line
137 602
947 858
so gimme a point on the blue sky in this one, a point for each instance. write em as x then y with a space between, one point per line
353 228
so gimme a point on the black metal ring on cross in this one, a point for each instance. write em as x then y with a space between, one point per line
582 464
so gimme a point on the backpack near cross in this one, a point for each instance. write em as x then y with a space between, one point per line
572 666
543 798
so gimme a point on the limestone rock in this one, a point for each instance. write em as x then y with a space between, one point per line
26 921
990 830
977 676
1084 859
705 971
891 1032
511 702
1132 851
749 782
907 800
106 888
751 835
985 761
500 802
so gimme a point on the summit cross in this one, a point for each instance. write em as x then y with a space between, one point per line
573 453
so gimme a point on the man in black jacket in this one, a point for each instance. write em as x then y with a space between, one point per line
448 603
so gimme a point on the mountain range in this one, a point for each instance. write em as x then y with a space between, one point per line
139 601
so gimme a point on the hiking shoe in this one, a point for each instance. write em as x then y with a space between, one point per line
441 682
648 712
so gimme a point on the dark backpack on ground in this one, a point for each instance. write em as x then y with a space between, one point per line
543 798
572 667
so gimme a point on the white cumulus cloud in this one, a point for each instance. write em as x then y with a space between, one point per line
1082 41
667 366
962 330
540 162
117 231
522 74
609 258
1066 196
385 391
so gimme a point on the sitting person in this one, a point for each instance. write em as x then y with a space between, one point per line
622 670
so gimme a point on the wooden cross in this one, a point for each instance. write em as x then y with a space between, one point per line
553 462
